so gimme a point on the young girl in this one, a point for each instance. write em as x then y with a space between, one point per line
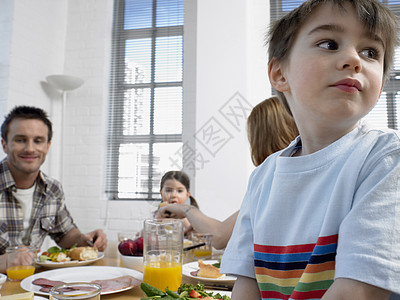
269 128
175 188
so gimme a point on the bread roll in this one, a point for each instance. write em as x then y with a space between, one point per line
83 253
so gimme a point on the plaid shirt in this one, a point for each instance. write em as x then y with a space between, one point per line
49 213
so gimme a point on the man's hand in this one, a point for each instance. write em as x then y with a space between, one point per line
74 236
98 238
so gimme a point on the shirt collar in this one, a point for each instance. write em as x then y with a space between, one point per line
7 180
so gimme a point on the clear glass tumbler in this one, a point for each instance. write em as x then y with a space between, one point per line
20 262
203 252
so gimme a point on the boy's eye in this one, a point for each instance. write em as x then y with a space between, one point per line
370 53
328 45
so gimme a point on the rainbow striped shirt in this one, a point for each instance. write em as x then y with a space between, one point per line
296 271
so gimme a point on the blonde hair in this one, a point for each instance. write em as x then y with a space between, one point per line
270 128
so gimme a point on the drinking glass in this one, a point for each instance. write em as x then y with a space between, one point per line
76 291
163 253
20 262
203 252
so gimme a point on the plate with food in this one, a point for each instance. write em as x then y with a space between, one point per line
111 279
207 271
56 257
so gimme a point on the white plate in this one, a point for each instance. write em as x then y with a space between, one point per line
42 298
222 293
71 263
3 279
194 266
80 274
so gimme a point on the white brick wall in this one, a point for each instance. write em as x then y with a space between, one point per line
45 37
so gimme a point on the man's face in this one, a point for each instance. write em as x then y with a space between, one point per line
26 146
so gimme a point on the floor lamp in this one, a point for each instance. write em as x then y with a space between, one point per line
64 83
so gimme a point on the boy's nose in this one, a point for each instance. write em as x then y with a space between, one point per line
350 59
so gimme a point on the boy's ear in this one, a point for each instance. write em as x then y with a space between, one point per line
276 76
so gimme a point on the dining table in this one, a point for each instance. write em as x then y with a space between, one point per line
111 258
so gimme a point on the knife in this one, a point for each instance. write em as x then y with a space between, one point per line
218 287
193 247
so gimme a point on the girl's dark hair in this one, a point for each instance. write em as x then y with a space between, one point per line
183 178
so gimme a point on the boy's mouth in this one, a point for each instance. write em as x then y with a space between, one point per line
348 85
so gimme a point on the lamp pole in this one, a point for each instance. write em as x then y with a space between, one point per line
63 83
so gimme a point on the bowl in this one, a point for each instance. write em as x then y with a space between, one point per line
132 262
3 279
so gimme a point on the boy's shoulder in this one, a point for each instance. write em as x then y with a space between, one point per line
385 136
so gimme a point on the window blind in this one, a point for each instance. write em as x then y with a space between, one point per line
386 111
145 115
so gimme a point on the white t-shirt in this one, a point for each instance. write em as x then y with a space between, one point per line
310 219
25 198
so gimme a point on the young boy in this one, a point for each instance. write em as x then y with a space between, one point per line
321 218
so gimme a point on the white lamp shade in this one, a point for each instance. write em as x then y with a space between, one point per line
64 82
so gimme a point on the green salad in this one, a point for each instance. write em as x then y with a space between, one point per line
185 292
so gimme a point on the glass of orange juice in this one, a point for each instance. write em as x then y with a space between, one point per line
203 252
163 253
76 290
20 262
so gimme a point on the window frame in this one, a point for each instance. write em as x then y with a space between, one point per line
118 87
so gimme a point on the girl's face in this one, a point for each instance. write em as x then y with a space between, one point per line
174 192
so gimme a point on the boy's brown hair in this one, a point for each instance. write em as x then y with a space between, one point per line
377 18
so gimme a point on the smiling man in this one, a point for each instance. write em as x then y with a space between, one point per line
32 205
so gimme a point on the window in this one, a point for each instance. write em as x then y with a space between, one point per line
386 111
146 102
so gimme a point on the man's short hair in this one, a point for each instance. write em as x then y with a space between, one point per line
26 112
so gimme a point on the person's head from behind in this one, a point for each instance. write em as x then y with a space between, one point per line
335 45
175 188
26 137
270 128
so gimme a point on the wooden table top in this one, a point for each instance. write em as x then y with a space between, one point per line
111 258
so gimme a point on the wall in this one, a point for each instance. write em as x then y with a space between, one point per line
231 72
6 13
227 64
